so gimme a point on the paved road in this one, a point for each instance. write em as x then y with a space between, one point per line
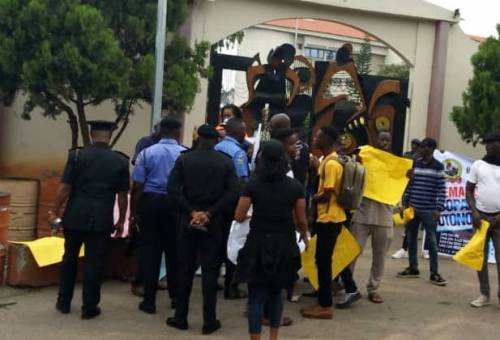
413 309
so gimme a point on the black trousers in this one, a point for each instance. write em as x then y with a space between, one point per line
159 224
207 245
327 234
96 245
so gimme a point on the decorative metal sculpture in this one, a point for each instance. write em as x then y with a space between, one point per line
288 84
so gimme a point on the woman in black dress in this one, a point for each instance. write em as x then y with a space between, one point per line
270 256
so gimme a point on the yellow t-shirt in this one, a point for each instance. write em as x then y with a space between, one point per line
330 179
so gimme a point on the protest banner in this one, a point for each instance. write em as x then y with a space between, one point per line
454 228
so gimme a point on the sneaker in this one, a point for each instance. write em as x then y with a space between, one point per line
293 298
400 254
409 273
437 280
425 254
349 299
481 301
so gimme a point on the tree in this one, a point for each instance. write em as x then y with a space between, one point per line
480 112
364 58
134 25
68 54
62 55
401 71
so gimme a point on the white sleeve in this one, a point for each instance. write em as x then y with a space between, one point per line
473 172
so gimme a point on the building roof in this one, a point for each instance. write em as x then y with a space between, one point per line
418 9
320 26
478 38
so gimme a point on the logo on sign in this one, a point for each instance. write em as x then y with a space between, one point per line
452 170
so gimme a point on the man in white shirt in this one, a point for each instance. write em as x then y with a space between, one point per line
483 196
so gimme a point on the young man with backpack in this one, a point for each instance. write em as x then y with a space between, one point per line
330 216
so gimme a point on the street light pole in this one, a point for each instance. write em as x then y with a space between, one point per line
161 26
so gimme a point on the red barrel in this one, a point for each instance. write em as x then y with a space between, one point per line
46 198
4 216
3 255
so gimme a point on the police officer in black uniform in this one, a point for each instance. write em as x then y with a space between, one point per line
202 181
92 178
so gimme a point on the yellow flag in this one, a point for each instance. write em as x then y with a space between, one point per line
472 254
48 250
408 215
385 175
346 250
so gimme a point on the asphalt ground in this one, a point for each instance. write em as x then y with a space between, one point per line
413 309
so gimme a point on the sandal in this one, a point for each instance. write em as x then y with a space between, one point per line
375 298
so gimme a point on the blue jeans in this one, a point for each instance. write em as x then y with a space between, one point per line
260 297
430 226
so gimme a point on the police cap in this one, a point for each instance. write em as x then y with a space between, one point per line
101 125
491 137
169 123
208 131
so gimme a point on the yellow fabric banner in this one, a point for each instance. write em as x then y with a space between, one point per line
385 175
48 250
346 250
472 254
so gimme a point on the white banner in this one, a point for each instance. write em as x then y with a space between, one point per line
454 229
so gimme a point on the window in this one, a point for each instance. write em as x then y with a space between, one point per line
319 54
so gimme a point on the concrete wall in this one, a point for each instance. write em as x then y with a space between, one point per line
458 72
419 83
40 146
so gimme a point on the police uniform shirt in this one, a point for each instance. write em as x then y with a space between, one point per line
154 164
96 174
230 147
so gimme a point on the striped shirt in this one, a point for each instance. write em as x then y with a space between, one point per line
427 189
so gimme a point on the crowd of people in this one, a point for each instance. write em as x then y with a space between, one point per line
184 201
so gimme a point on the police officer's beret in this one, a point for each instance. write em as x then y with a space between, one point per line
101 125
169 123
208 131
491 137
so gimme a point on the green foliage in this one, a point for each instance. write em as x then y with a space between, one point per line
364 58
229 41
134 25
59 52
68 54
480 112
401 71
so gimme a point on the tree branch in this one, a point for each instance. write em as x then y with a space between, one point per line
72 119
125 122
82 120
